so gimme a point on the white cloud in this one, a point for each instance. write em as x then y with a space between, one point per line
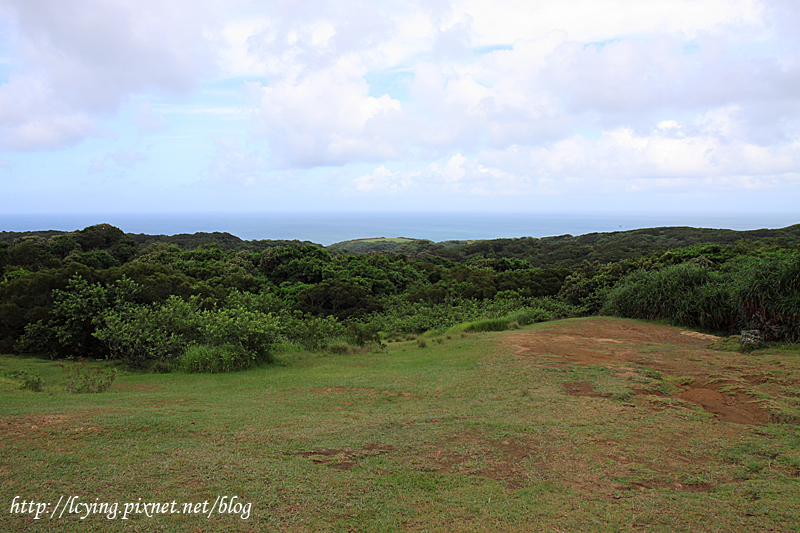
469 97
619 160
32 118
97 166
288 39
594 21
456 175
622 159
81 59
327 118
382 179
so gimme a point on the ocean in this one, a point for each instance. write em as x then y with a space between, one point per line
328 228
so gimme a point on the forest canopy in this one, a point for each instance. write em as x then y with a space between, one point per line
155 302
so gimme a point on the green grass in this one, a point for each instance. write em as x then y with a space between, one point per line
463 435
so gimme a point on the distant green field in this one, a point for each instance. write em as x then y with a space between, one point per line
384 239
469 433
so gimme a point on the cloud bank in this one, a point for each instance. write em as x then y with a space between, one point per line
481 98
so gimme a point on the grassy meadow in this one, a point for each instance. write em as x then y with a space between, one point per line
461 432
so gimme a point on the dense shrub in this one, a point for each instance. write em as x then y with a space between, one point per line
31 382
79 379
402 317
252 331
760 293
73 319
768 295
209 359
489 324
339 348
685 294
530 315
142 335
334 297
310 332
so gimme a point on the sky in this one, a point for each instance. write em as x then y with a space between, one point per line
530 106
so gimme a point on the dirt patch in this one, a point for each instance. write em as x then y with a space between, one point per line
602 339
700 487
737 408
636 350
644 461
583 388
401 394
372 394
472 455
704 336
338 390
344 458
20 426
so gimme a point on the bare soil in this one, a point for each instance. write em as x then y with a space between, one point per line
710 379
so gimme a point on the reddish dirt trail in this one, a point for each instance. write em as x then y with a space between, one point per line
631 348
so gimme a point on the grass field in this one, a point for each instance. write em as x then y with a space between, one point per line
578 425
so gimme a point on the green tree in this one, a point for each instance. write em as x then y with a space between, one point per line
340 298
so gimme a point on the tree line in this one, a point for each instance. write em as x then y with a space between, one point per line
202 305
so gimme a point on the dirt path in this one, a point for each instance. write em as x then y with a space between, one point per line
720 382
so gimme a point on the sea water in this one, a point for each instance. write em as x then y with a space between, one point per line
328 228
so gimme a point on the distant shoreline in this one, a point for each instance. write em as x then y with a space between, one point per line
330 228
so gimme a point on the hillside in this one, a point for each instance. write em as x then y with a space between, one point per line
567 251
564 251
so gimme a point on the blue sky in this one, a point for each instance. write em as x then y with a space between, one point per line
610 106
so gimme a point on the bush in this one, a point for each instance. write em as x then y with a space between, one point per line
208 359
360 334
402 317
555 307
80 379
529 315
160 334
312 333
139 335
685 294
492 324
31 382
73 316
254 332
339 348
768 296
76 313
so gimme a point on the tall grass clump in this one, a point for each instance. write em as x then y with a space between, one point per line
489 324
530 315
687 295
208 359
522 317
760 293
768 295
